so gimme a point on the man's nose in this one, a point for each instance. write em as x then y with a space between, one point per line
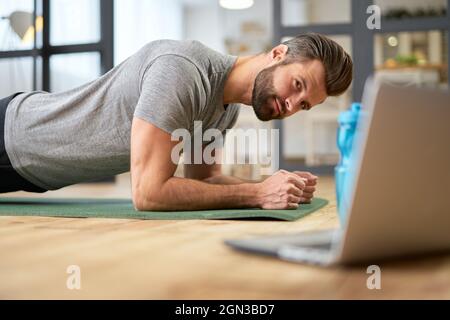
293 103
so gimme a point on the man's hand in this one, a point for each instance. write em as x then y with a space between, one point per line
283 190
308 191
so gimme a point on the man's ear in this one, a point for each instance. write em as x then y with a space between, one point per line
279 52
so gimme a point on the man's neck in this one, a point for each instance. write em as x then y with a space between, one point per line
239 84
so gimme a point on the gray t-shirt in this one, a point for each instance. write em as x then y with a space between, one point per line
58 139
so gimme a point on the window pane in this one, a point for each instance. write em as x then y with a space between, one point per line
68 71
16 75
412 58
310 137
16 25
304 12
398 9
74 22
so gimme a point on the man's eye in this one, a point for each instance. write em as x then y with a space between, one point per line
298 85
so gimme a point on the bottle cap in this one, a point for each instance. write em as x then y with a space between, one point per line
351 115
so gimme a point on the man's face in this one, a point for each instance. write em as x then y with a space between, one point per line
283 89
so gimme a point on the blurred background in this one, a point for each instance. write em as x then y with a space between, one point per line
56 45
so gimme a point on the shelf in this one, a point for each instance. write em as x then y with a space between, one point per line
414 24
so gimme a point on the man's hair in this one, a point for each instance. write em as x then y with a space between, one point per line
337 63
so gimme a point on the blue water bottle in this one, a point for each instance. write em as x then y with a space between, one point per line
346 131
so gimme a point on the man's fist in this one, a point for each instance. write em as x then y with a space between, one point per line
308 191
283 190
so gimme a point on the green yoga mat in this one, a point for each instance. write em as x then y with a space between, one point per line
123 208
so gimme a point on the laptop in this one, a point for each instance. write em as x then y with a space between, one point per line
397 197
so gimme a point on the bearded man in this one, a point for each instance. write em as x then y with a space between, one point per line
123 121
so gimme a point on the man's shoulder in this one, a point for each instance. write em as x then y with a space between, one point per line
204 58
185 48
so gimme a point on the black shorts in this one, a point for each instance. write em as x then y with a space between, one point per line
10 180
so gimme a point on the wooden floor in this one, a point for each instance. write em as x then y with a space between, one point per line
135 259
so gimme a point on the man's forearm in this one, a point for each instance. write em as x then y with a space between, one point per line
188 194
226 180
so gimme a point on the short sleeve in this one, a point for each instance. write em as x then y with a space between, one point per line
171 93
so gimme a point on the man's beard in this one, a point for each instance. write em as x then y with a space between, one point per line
263 93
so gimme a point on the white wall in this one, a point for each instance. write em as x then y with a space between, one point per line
138 22
205 24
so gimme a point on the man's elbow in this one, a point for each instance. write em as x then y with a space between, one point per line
138 203
147 201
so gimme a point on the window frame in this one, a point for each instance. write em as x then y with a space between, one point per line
105 46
